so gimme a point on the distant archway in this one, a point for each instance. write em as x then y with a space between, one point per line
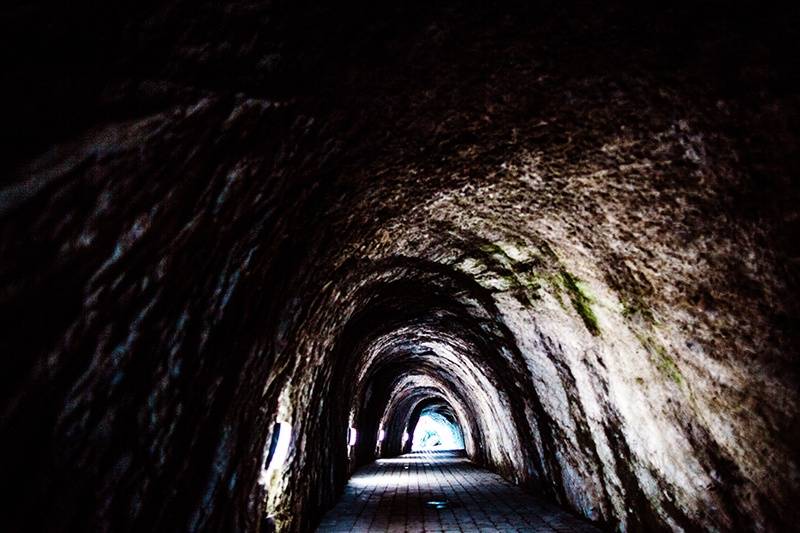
437 429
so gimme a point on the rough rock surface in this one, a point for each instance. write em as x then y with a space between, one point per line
576 226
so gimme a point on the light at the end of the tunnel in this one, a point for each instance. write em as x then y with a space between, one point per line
433 432
352 435
381 435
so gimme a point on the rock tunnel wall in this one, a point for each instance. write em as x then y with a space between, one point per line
577 225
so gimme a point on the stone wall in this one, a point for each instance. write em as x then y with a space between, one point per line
578 225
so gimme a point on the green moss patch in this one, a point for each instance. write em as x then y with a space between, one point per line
580 301
664 362
526 271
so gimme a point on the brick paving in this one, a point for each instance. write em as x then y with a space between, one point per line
395 495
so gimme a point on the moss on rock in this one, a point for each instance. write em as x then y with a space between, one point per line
580 301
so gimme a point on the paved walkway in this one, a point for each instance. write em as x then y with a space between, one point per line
443 492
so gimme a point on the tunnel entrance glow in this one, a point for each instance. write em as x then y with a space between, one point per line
434 432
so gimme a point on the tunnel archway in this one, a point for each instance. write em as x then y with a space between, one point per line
425 330
227 224
436 428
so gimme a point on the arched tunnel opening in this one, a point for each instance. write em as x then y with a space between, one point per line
288 266
436 428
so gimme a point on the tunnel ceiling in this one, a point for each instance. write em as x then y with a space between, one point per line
574 225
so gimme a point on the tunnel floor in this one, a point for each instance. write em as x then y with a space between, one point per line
441 491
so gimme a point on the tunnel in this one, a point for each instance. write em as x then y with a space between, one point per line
272 266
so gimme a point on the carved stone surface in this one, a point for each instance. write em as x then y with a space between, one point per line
576 225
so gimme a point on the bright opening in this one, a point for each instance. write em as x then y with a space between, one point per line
277 451
352 436
435 432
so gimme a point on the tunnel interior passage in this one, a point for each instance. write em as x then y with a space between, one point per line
430 364
424 347
250 247
428 346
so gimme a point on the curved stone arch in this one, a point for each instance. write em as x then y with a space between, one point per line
402 413
444 413
411 297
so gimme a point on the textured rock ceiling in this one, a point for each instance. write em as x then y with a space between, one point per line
572 229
